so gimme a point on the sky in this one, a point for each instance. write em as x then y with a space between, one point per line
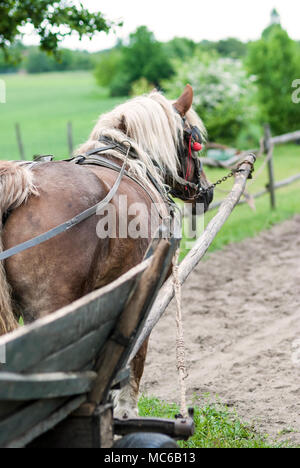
195 19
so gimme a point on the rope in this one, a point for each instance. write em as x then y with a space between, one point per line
180 345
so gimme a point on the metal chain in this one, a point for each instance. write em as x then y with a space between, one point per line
228 176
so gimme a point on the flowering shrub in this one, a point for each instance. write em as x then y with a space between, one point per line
224 94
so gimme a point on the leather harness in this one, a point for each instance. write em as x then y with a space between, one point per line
91 158
94 158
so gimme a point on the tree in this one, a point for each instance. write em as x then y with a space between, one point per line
53 20
275 60
38 62
231 47
108 66
143 57
14 64
222 94
180 48
146 57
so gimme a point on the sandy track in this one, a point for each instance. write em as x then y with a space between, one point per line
242 330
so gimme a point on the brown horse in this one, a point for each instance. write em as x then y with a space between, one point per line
35 198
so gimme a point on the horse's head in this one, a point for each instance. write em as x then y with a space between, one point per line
165 139
191 185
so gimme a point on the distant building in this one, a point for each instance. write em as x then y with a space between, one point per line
274 24
275 17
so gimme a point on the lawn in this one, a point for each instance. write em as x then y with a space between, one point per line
43 104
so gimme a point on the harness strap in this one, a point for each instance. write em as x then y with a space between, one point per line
100 161
92 210
68 224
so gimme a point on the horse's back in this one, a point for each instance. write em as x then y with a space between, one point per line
57 272
61 264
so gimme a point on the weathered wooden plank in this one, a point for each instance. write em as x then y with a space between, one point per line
268 147
70 138
66 326
277 185
111 359
20 142
8 408
164 272
48 423
24 419
93 431
77 356
17 387
287 138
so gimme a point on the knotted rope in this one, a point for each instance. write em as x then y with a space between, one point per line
180 345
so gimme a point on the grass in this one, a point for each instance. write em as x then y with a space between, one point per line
215 426
43 104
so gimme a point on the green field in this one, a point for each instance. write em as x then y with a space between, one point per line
43 104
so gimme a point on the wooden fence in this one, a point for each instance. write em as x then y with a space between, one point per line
21 146
267 150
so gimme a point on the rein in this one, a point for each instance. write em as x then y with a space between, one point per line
71 222
97 160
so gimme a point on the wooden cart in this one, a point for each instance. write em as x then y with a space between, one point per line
58 373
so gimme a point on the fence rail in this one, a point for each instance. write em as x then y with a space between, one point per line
267 149
286 138
21 145
192 259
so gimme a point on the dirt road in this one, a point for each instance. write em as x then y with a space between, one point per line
241 310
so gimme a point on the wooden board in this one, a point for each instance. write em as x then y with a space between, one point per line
94 431
53 333
19 387
41 428
26 418
117 349
77 356
68 340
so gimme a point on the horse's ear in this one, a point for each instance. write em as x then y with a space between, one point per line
184 103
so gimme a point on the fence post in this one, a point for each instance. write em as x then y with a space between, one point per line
268 147
20 142
70 138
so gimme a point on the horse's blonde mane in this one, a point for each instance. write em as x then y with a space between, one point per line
153 128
